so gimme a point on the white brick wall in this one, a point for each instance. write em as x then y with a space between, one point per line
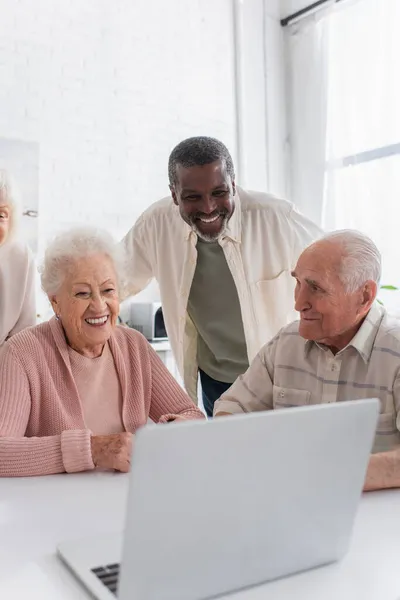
107 88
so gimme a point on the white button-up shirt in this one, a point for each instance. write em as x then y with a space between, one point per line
261 244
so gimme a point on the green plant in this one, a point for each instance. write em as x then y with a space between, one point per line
387 287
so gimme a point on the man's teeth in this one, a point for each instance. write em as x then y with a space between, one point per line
205 220
99 321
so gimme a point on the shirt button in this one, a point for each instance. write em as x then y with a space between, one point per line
334 367
281 394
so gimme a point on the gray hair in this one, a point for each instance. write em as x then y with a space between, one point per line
74 244
9 194
200 150
361 259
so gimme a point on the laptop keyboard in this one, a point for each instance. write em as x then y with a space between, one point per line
108 576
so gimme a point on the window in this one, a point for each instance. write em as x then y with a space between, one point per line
362 177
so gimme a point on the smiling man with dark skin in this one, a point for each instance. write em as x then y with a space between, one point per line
222 257
344 347
207 214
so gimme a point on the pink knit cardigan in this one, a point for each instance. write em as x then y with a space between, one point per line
42 429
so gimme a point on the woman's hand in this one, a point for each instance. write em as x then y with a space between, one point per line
112 451
171 419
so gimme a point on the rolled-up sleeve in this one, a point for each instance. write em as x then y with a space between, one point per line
252 391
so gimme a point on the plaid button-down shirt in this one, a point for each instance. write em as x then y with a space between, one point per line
291 371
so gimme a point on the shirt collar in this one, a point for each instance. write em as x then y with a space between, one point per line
233 229
364 339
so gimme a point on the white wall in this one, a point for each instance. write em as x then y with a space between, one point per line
289 7
251 94
276 99
107 89
282 64
261 96
278 102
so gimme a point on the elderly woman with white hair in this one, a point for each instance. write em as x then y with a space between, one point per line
17 268
75 389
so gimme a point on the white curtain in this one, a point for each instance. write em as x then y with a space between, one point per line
345 123
307 45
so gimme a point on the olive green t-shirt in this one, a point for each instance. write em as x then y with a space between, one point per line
214 308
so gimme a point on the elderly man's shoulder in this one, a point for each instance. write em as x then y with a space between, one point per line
290 332
287 336
388 336
252 201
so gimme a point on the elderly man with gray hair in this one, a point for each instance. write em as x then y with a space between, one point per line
344 347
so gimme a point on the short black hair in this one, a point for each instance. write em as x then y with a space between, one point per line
200 150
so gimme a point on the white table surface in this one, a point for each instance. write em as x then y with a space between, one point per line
37 513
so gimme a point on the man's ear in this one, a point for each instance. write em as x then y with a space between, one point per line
233 187
369 293
173 194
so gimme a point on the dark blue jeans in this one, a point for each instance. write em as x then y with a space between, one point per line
211 391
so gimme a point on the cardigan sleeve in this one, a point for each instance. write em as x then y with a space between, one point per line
27 456
168 399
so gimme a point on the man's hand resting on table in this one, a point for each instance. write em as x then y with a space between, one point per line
112 451
383 471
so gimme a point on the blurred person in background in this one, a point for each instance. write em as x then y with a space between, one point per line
17 268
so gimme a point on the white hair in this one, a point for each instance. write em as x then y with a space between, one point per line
69 246
360 261
9 196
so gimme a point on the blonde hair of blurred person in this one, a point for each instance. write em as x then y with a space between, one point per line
17 267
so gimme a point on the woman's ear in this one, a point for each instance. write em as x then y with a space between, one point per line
55 304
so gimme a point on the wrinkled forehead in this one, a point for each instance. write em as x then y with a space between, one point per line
199 176
321 262
91 269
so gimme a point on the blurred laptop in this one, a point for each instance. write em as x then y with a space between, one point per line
217 506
